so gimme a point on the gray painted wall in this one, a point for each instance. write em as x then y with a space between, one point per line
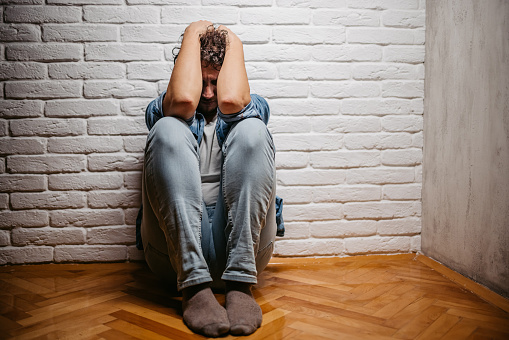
466 139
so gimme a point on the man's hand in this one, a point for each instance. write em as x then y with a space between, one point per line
197 27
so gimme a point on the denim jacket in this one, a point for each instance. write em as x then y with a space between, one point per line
257 108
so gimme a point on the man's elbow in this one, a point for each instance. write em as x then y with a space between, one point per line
230 105
182 107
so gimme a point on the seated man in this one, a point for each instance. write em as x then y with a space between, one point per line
209 212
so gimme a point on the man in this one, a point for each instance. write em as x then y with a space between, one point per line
209 212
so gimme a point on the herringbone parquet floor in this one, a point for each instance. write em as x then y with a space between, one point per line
366 297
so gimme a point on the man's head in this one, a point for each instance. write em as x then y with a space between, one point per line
213 44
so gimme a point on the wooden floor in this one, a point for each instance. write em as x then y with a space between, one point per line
366 297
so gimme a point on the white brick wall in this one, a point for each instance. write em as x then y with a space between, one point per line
344 79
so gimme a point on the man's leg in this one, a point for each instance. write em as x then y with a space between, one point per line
248 184
172 186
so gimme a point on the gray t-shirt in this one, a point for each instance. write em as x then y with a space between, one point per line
210 163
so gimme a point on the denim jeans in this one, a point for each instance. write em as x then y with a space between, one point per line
181 243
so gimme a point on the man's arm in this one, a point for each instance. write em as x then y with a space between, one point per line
184 88
232 84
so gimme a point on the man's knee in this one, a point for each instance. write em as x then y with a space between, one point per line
250 136
169 133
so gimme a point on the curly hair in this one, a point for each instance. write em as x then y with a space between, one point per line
213 43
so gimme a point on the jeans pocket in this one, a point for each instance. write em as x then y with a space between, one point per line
160 265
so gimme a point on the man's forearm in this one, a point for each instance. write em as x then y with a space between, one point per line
184 88
232 83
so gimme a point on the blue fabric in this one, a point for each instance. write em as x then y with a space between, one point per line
257 108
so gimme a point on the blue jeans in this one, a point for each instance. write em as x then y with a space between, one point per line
181 243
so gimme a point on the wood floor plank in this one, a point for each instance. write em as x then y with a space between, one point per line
363 297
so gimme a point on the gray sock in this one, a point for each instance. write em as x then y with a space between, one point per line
244 313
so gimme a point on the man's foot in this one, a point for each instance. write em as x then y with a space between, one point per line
202 313
244 313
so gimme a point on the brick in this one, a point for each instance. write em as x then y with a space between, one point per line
271 89
400 226
86 2
151 33
296 195
12 183
402 192
85 181
19 32
356 141
308 35
86 217
343 124
114 199
82 108
379 210
119 89
252 34
79 33
164 2
111 235
90 253
117 126
344 89
415 243
135 144
24 255
291 160
188 14
130 215
46 163
380 176
4 200
115 162
324 229
346 17
404 19
134 106
13 70
261 71
273 15
133 254
86 70
86 145
347 53
121 14
149 71
385 4
277 53
304 107
311 177
26 146
296 230
23 2
44 52
5 238
240 3
384 71
312 3
385 36
406 157
23 219
48 200
21 108
314 71
42 14
344 159
348 193
122 52
402 123
3 128
47 236
43 89
285 125
307 142
132 180
418 140
44 127
376 244
318 247
403 89
372 106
